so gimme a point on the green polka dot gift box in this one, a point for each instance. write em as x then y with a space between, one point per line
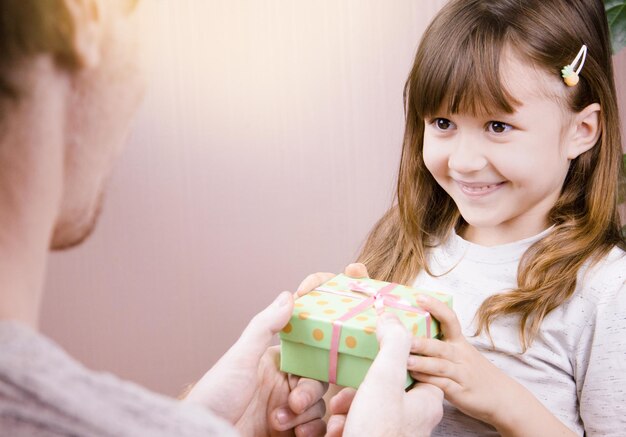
332 332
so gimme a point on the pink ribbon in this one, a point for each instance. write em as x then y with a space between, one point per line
379 299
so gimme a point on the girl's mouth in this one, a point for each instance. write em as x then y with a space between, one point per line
479 189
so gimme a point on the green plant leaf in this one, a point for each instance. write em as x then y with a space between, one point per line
616 15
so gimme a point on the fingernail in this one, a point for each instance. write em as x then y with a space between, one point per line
282 299
411 361
282 416
305 402
416 343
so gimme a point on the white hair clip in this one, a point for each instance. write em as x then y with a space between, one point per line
570 76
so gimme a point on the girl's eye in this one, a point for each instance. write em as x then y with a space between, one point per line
443 124
498 127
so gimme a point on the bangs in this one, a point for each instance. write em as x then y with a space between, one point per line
458 70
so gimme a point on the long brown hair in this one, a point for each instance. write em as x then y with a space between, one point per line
457 68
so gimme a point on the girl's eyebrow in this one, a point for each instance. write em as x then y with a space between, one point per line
503 116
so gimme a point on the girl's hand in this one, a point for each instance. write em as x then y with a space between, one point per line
469 381
474 385
314 280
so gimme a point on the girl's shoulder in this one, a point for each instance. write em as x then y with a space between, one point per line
604 282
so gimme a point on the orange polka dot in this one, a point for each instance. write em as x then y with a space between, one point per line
414 329
314 293
329 311
318 334
362 318
298 305
303 315
410 314
331 283
287 329
347 300
351 342
322 302
369 329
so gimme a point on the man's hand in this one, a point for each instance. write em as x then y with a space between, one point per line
381 407
247 388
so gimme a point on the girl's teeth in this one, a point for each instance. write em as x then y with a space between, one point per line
486 187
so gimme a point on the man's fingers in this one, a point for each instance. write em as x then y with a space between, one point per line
335 425
450 325
314 428
389 366
244 356
428 400
428 391
257 336
340 403
313 281
356 270
283 418
306 394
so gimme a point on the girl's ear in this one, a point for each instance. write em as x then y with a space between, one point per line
586 131
87 19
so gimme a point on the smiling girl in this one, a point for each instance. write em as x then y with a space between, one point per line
507 199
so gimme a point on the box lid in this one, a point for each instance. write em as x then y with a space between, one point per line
314 313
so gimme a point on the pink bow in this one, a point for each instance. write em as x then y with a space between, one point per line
379 299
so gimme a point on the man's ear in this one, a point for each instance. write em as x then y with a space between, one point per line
87 19
585 132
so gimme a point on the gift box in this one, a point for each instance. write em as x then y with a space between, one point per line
332 332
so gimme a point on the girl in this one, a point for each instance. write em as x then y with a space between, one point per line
507 199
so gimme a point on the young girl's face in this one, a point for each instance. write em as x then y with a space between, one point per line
504 171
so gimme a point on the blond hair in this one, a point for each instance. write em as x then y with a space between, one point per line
457 68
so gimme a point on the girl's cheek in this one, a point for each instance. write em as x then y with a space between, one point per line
435 159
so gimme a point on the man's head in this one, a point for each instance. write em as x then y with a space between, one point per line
89 49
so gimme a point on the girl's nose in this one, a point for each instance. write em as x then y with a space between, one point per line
467 156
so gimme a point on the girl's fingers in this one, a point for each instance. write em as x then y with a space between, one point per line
431 366
289 420
432 348
305 394
314 428
340 403
335 425
447 318
446 385
313 281
356 270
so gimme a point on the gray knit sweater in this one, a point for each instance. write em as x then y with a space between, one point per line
44 392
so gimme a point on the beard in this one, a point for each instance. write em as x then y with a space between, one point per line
71 231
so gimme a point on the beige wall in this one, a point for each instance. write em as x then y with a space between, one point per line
265 150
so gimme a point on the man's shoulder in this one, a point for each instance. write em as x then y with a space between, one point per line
42 387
